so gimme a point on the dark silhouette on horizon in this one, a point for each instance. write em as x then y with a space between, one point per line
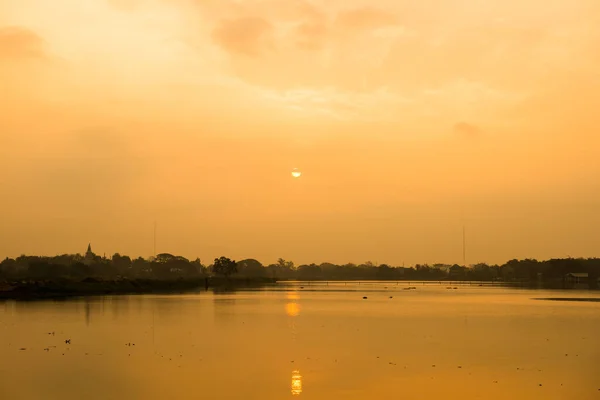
165 266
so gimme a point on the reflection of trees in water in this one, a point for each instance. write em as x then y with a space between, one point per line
167 308
88 312
223 290
223 307
85 307
90 306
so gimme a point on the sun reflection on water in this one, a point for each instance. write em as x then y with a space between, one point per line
296 383
292 309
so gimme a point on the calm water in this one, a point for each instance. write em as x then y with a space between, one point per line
314 343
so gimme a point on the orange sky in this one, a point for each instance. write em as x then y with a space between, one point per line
407 118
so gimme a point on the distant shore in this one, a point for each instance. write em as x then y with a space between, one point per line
48 289
32 289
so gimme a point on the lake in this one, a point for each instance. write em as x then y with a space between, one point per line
313 342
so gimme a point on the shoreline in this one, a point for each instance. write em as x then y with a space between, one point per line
30 290
60 289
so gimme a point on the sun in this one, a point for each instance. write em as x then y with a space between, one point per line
296 173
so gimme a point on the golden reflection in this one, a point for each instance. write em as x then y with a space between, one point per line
296 383
292 309
293 296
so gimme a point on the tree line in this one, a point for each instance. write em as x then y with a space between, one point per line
167 266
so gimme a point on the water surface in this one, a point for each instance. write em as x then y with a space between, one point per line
315 342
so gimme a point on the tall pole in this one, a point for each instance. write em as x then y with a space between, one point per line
464 248
155 239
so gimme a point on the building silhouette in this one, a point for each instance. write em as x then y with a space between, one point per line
89 255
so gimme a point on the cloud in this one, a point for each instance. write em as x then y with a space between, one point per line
467 130
311 35
292 46
365 18
20 43
249 36
125 5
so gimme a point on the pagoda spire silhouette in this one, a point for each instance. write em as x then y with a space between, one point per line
89 255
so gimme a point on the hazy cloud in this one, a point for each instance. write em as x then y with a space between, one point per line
382 95
311 35
467 130
249 36
18 43
365 18
125 5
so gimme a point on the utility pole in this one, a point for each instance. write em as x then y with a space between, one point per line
154 239
464 248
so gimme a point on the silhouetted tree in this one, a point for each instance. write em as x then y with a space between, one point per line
251 268
384 271
285 264
9 268
200 269
457 272
308 272
481 272
224 266
168 266
122 264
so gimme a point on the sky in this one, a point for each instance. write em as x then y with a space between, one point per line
408 120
